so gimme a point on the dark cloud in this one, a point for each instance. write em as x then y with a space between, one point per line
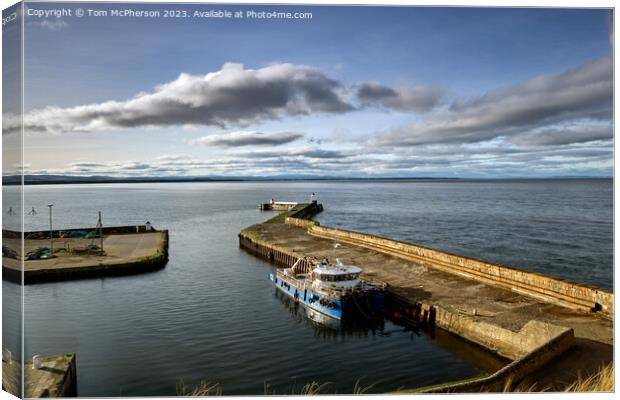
136 166
87 165
232 96
418 99
244 138
315 140
561 135
581 94
303 152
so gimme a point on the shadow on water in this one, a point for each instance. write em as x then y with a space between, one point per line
467 351
326 327
210 315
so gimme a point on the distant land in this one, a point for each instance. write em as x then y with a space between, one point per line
70 179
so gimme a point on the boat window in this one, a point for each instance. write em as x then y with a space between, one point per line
336 278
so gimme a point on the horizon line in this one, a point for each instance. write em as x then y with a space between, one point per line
14 180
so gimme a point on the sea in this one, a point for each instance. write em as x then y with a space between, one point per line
211 315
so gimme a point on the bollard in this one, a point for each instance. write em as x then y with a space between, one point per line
37 363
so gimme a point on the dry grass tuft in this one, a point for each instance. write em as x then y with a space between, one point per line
521 387
204 389
601 381
309 389
313 388
358 389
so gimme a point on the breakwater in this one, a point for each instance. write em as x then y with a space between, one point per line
560 291
529 318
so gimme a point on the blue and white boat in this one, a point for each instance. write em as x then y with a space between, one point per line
334 290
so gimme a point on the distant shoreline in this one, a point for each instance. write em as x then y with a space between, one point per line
29 181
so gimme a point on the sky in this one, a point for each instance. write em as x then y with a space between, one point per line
350 92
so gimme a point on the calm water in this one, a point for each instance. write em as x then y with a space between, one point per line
212 315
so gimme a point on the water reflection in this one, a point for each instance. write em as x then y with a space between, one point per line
215 300
329 328
326 327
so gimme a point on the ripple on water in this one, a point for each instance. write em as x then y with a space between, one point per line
212 315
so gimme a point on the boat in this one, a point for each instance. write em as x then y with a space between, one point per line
334 290
328 327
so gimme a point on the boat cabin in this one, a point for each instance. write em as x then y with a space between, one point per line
339 275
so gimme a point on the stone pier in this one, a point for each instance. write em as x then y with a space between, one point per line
529 318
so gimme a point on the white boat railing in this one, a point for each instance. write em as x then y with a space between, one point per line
286 277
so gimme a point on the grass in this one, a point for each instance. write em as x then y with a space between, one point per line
523 387
203 389
309 389
358 389
601 381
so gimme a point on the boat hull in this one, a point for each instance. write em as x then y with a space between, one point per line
345 307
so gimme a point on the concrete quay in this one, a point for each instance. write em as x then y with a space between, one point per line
54 377
127 250
531 319
277 206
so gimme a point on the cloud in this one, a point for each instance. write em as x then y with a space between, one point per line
562 134
316 140
495 158
297 152
419 99
11 123
580 94
247 138
87 165
232 96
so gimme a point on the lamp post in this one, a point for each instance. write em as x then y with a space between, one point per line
100 226
51 231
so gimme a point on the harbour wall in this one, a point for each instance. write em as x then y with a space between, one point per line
544 287
275 207
547 288
284 206
504 342
151 262
55 377
529 349
306 211
130 266
57 233
279 256
561 339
